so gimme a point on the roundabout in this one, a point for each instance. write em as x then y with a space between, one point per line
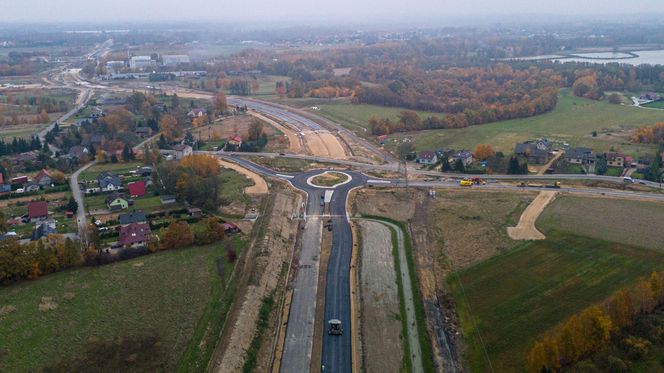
329 179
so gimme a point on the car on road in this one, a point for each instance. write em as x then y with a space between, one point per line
628 179
334 327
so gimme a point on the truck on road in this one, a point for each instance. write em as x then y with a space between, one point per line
334 327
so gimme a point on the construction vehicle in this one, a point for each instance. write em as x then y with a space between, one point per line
556 185
466 182
334 327
478 181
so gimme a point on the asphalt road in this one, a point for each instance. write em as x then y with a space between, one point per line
76 192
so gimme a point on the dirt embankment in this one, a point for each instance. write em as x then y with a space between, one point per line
526 229
379 296
259 187
294 145
270 253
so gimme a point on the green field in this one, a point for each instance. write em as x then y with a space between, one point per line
505 302
356 117
168 294
116 168
572 121
656 105
636 223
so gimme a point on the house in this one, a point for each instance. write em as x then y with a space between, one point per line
135 234
426 157
465 156
43 229
537 152
109 182
197 113
182 150
235 141
31 186
5 188
19 180
582 156
116 202
167 199
143 132
194 212
132 217
38 210
145 171
615 159
96 112
231 228
44 178
650 96
136 189
78 151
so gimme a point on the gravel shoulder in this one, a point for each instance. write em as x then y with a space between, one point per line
259 187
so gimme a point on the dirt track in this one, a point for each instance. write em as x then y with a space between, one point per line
259 187
380 300
294 145
526 230
271 252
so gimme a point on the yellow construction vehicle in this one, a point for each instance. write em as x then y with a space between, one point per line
466 183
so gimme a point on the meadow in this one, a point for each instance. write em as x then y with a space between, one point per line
506 302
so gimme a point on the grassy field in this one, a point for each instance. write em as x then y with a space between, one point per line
656 105
572 121
628 222
167 294
505 302
116 168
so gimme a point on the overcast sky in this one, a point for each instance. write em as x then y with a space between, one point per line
306 11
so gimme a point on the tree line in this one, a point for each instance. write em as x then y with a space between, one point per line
19 145
589 331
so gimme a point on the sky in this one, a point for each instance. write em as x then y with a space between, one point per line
308 11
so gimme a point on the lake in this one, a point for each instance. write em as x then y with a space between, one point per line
654 57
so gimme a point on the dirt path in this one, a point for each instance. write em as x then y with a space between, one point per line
259 187
382 347
332 144
526 230
272 251
546 166
294 145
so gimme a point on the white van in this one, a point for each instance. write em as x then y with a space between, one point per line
628 179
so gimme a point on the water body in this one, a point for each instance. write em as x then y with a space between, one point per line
654 57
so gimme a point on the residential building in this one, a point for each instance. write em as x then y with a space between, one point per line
136 189
141 62
78 151
167 199
426 157
31 186
235 141
650 96
197 113
145 171
194 212
5 188
537 152
582 156
465 156
132 217
116 202
19 180
38 210
174 59
109 182
135 234
43 229
143 132
44 178
615 159
182 150
231 228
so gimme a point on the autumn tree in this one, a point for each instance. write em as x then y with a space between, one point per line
170 127
220 103
484 151
255 129
43 117
58 177
177 235
212 231
544 356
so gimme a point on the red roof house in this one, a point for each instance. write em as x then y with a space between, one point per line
137 189
37 210
135 234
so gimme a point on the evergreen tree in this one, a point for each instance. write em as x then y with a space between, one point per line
459 166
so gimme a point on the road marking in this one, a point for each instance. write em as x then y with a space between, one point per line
379 181
286 176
